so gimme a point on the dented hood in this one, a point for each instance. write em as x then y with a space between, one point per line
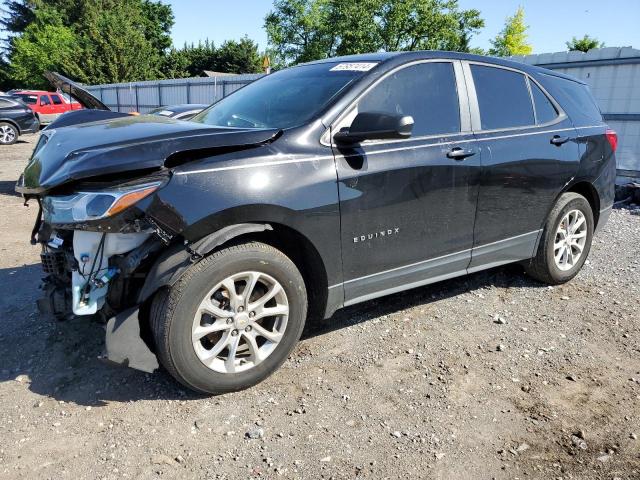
124 145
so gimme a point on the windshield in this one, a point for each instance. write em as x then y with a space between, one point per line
26 98
284 99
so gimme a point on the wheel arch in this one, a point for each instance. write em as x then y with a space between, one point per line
12 122
588 191
175 260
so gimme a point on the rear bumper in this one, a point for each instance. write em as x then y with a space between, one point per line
30 127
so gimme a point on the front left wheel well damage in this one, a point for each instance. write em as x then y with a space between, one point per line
177 259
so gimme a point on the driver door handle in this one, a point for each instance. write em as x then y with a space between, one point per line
558 140
460 153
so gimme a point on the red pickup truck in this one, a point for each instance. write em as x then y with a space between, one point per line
47 105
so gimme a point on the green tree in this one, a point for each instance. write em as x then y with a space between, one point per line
46 44
584 44
112 40
512 40
240 56
113 44
303 30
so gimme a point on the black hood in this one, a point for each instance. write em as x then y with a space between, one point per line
128 144
69 87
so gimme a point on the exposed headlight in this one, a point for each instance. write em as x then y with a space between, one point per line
85 206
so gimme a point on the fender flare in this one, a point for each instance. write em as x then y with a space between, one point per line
172 264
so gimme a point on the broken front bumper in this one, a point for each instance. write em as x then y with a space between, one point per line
124 344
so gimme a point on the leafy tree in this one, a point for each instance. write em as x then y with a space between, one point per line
92 41
157 21
512 40
46 44
113 43
304 30
232 57
584 44
238 57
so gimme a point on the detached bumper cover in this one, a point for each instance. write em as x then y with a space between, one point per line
125 346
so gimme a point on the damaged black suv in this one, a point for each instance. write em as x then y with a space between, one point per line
207 244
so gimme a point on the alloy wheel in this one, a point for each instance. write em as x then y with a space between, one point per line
7 134
240 322
570 240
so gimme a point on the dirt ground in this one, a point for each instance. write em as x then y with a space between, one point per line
489 376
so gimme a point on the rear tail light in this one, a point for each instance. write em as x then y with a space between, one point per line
612 137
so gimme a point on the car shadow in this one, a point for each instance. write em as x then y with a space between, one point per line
7 187
501 277
61 360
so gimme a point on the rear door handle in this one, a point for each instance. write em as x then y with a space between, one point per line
558 140
460 153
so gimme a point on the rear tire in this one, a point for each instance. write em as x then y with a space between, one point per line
211 297
8 134
566 241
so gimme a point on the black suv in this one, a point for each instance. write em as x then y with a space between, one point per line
16 119
209 243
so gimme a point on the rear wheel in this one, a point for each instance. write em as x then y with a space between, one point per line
231 320
566 241
8 134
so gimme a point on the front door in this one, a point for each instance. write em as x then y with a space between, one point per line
408 206
46 111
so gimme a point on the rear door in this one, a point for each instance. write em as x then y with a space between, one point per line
407 208
529 152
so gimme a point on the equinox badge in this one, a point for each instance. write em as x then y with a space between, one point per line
381 234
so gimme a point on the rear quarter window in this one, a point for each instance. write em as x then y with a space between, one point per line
575 99
545 111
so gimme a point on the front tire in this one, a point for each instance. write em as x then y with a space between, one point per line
231 320
566 241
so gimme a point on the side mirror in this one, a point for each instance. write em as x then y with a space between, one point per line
375 126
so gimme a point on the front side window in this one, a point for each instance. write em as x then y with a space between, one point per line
503 98
284 99
426 91
56 100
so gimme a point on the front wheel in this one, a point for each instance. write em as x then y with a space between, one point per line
566 241
231 320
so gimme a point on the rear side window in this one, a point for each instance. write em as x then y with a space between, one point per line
44 100
56 100
545 111
503 97
28 99
6 103
426 91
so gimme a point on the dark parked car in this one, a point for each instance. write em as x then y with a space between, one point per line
185 111
208 244
16 119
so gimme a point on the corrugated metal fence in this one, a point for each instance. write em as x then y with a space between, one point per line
144 96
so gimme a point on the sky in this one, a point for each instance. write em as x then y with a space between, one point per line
552 22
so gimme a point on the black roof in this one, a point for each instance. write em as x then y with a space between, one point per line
397 58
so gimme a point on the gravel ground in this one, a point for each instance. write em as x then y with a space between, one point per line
489 376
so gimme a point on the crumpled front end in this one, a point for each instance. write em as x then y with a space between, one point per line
103 224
